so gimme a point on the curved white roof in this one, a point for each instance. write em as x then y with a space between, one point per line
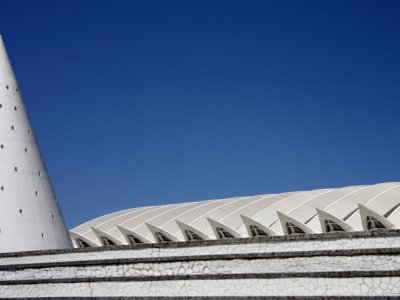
353 208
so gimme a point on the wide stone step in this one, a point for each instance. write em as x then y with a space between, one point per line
272 245
223 298
329 284
279 263
355 265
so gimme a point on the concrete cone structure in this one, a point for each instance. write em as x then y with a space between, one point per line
30 218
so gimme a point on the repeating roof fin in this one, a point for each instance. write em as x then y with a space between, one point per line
222 231
81 241
190 233
329 223
105 238
193 225
371 220
133 237
291 226
255 228
160 235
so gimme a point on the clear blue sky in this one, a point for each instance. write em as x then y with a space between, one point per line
154 102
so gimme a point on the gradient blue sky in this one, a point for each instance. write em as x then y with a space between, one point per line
154 102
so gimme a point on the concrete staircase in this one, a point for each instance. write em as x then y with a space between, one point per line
354 265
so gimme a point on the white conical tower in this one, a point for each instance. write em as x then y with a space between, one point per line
30 218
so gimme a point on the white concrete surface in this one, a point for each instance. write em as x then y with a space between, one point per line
30 217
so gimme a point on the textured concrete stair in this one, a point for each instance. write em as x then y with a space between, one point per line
240 268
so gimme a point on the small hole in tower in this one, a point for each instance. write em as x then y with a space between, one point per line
15 108
20 211
2 188
36 193
26 150
1 105
42 235
39 173
52 216
12 127
2 146
29 131
7 87
16 169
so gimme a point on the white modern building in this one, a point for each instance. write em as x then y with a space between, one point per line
337 242
349 209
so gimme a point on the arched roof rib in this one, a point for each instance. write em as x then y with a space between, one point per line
334 207
104 219
110 221
299 209
138 220
395 216
383 202
381 206
268 207
229 211
248 222
301 212
367 213
325 218
170 225
363 197
163 216
220 206
326 201
285 206
126 232
185 229
234 217
131 216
